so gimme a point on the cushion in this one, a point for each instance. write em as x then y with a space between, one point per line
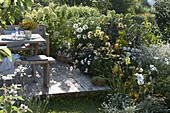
8 32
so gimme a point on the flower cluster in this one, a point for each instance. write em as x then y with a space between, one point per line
28 24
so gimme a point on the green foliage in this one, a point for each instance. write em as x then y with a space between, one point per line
162 15
124 6
11 102
11 11
5 52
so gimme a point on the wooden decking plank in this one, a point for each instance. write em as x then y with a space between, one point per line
63 80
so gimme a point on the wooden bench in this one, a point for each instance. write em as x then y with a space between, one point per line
42 60
40 29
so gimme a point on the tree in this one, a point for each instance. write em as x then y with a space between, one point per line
11 10
124 6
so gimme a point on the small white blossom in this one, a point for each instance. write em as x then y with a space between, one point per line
150 78
153 68
85 27
139 76
23 108
128 48
82 62
124 48
128 54
88 62
75 26
79 30
133 58
156 58
141 82
84 36
95 57
85 59
166 61
79 36
98 28
86 70
76 61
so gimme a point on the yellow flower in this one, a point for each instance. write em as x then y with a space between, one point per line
115 68
117 46
100 37
79 46
140 87
28 24
121 32
121 75
127 60
90 46
118 41
98 32
108 44
120 25
136 97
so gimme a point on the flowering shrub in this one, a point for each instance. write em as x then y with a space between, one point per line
85 45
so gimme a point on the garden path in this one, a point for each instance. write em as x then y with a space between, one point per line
64 80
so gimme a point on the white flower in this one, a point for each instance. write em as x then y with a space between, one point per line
128 54
75 26
166 61
79 36
86 70
153 68
79 30
133 58
156 58
85 27
71 68
76 61
128 48
79 23
140 69
98 28
124 48
23 108
85 59
88 62
84 36
150 78
92 22
95 57
139 76
82 62
141 82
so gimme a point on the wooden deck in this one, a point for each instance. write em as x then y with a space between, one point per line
64 80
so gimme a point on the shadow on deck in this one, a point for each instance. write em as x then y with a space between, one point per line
63 80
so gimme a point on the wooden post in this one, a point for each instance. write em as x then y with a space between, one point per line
46 77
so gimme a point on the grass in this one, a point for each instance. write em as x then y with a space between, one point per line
75 104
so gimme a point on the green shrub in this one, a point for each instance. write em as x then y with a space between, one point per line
162 15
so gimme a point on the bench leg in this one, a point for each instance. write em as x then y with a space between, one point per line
46 78
34 73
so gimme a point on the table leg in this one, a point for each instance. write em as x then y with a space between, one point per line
46 77
34 47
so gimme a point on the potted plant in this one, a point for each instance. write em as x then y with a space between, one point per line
98 80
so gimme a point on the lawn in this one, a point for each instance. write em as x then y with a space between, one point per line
75 104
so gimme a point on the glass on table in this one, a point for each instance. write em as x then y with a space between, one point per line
16 32
22 34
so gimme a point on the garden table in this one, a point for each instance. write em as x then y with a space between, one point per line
33 41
